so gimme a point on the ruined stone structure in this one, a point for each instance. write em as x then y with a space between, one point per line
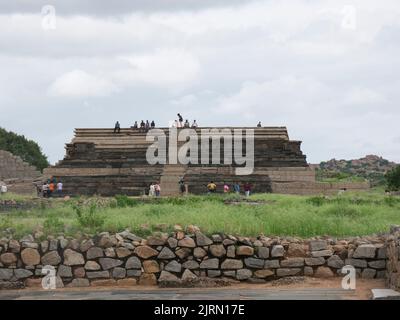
99 161
17 174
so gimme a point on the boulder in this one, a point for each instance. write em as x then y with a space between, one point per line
98 275
263 252
314 261
244 251
365 251
148 279
173 266
30 257
243 274
377 264
296 250
182 253
190 264
213 273
202 240
118 273
187 242
156 241
199 252
308 271
264 273
14 246
133 273
317 245
231 252
64 271
168 279
357 263
94 252
188 276
166 253
322 253
78 283
323 272
292 262
271 264
368 273
254 263
109 263
92 266
122 252
145 252
232 264
51 258
172 242
6 274
8 258
22 273
133 263
335 262
210 264
73 258
86 245
217 250
285 272
79 272
151 266
277 251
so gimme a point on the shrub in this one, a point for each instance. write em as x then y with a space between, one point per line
89 218
124 201
52 224
393 179
316 201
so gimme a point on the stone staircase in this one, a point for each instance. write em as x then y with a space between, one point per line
170 177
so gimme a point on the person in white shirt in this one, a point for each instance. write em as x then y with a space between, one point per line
59 188
152 190
194 124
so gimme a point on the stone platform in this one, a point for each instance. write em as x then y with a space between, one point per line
99 161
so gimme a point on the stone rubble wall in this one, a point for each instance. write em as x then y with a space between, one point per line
17 174
393 253
312 188
183 259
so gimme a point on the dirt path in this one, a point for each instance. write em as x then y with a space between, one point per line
306 288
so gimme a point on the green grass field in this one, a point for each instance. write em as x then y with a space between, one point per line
345 215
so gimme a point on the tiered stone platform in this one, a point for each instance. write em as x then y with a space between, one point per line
99 161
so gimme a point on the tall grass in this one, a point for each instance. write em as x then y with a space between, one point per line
346 215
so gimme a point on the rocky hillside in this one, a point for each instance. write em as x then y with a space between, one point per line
370 167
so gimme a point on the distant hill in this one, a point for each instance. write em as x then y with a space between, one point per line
19 145
370 167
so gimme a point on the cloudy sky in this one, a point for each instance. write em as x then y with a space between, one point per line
328 70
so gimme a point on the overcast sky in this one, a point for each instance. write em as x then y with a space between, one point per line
328 70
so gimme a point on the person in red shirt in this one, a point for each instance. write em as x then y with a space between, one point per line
247 189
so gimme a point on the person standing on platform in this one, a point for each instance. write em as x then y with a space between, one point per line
211 187
152 190
180 120
259 124
157 189
236 188
194 124
59 188
117 127
226 188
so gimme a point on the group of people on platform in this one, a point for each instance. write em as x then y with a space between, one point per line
155 189
146 126
212 188
50 188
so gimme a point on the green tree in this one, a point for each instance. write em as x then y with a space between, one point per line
393 179
28 150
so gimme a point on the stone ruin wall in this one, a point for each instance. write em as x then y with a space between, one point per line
185 259
17 174
393 254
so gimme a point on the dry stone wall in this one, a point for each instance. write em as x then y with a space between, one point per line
183 259
17 174
393 253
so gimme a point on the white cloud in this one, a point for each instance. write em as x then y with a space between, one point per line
78 83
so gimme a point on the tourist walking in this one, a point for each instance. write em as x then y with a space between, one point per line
152 190
117 127
59 188
180 120
157 189
236 188
247 189
182 187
